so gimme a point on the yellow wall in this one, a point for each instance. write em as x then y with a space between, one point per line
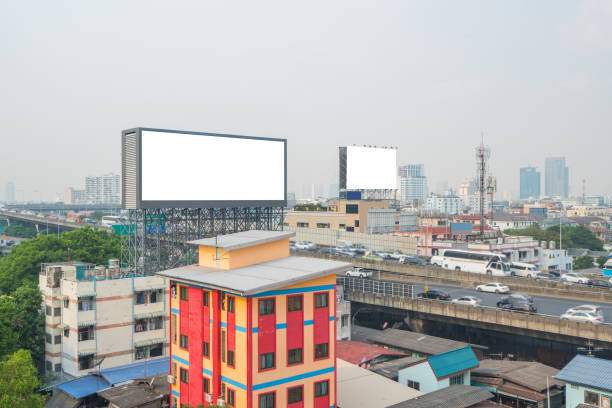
243 256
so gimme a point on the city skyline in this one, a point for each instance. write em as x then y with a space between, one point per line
340 84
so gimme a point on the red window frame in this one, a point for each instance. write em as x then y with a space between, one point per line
301 296
318 401
299 404
270 338
227 391
316 311
266 393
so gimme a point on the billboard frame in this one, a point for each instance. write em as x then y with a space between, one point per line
131 174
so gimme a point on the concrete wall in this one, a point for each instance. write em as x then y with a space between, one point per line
422 373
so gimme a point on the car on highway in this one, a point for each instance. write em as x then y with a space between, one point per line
468 300
519 306
601 283
346 251
524 270
292 246
411 260
359 273
506 300
546 276
436 294
574 277
328 251
523 296
584 308
306 245
372 256
493 287
583 317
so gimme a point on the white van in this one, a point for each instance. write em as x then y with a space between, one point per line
524 269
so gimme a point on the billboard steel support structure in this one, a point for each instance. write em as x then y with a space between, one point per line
156 239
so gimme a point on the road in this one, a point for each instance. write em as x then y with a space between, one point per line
546 305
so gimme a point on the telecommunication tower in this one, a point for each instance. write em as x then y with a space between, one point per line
482 161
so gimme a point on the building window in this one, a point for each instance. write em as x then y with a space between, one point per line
174 328
174 369
156 296
266 361
357 223
344 321
302 224
86 333
322 350
322 224
206 385
141 298
66 332
350 229
456 379
295 394
205 300
230 358
266 306
294 303
58 339
230 304
223 344
48 310
206 349
184 376
157 323
184 293
591 398
222 300
48 338
341 225
66 303
156 350
321 300
294 356
184 341
57 311
321 389
49 366
86 362
266 400
230 397
58 367
414 384
173 291
141 353
140 325
352 208
86 304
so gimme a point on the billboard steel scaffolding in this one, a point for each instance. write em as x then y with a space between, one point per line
156 239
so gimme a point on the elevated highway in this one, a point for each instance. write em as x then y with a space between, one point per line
397 297
64 207
42 223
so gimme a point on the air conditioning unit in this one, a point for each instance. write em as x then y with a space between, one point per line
208 398
171 379
221 402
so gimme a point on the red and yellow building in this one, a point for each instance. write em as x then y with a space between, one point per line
252 325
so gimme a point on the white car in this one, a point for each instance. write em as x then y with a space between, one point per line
468 300
584 308
524 270
583 317
493 288
359 272
574 277
307 245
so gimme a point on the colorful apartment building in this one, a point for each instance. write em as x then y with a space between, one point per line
253 326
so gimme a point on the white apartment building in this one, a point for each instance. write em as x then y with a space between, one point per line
105 189
97 315
551 259
474 204
444 204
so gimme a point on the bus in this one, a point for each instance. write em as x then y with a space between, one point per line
607 268
473 261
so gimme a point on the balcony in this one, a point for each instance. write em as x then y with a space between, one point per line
146 337
86 316
149 309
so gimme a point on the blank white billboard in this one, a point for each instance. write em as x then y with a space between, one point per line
184 167
371 168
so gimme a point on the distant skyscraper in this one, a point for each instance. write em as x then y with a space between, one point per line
557 177
104 189
530 183
10 192
467 188
413 183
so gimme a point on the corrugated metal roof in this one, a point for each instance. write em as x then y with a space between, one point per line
84 386
453 362
356 351
416 342
455 396
148 368
529 374
591 371
260 277
243 239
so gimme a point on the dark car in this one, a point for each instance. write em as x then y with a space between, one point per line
434 294
411 260
328 251
601 283
521 307
514 298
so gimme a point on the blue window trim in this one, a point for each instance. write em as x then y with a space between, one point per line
180 360
293 378
176 393
294 291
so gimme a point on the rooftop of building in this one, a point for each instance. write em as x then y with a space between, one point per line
258 278
137 393
455 396
529 374
357 352
361 388
390 368
516 217
588 371
452 362
243 239
416 342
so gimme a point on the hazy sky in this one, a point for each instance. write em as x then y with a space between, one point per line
426 76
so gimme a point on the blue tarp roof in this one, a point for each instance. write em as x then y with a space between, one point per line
590 371
84 386
92 383
129 372
453 361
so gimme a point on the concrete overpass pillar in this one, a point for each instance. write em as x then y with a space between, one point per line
416 325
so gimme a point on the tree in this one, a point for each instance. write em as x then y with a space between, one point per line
18 382
583 262
9 337
601 260
573 237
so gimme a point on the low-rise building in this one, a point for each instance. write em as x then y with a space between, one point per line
98 315
513 221
445 204
343 315
439 371
588 382
455 396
